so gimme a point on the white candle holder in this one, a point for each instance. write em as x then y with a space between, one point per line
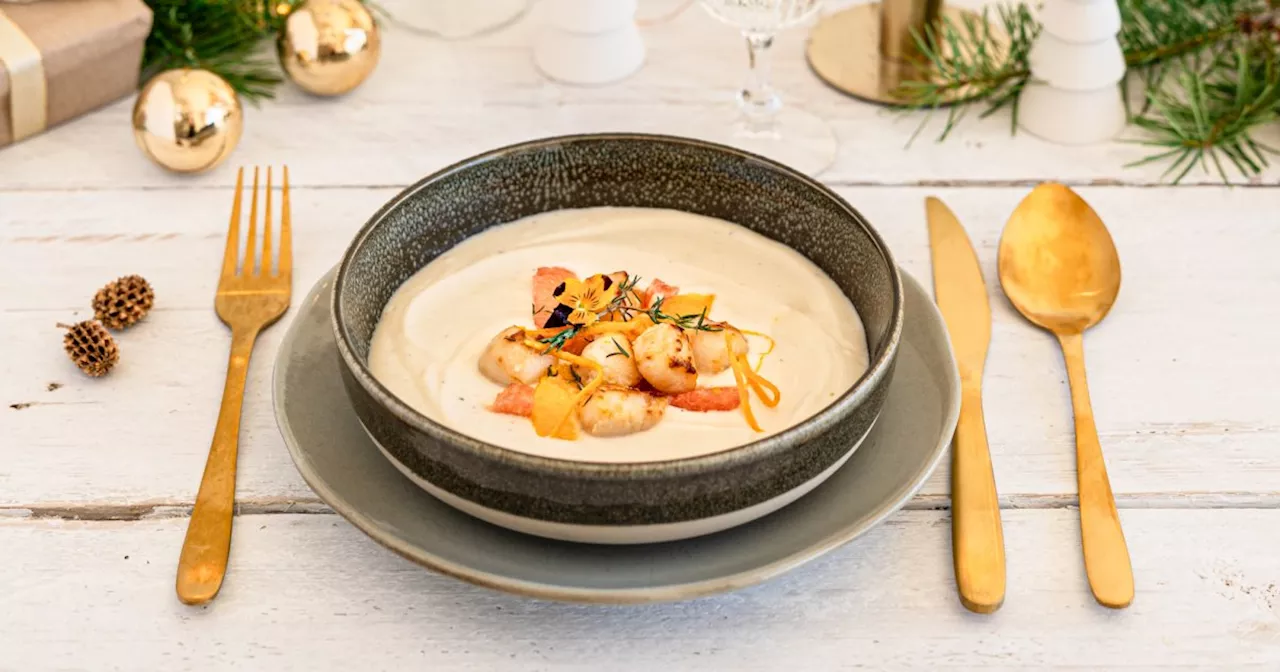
1076 66
454 19
1082 21
1071 117
588 42
1074 96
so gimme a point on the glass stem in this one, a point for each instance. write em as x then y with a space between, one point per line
757 100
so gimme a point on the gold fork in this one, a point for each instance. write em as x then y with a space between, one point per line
248 301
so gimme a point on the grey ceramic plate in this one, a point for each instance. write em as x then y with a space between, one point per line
347 471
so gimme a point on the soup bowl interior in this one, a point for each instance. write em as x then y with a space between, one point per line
619 170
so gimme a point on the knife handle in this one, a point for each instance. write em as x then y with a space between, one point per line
977 536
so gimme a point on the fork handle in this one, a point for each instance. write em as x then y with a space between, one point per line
203 562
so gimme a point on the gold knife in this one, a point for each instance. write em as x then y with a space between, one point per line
977 537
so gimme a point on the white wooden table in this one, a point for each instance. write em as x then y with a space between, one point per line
97 476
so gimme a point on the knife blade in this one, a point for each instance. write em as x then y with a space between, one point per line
959 288
977 534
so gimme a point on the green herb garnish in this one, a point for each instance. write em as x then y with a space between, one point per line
619 351
557 341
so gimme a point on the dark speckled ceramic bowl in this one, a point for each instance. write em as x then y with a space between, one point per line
631 502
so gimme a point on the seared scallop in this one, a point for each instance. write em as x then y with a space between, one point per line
615 411
710 352
613 354
665 358
507 359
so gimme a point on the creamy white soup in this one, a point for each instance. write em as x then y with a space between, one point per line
436 329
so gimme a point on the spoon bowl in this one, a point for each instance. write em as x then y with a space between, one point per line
1058 264
1060 269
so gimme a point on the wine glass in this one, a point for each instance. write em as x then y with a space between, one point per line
763 125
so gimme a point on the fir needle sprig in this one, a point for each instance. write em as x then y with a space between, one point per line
224 37
1210 70
967 61
1211 117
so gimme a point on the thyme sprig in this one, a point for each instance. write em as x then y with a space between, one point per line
618 349
557 341
696 322
625 290
618 306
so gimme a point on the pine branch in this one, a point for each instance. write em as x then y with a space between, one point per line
222 36
1209 69
969 67
1154 31
1207 118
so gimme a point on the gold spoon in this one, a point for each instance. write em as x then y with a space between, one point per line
1060 269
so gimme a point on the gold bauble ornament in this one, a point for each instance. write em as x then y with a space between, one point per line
328 47
187 120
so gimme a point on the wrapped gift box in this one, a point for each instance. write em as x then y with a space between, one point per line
62 58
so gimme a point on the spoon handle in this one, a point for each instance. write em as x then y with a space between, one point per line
1106 556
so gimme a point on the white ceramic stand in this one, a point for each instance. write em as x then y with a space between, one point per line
1074 97
455 19
588 42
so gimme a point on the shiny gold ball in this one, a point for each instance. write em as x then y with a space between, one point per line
187 120
328 47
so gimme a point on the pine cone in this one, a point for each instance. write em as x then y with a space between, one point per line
123 302
91 347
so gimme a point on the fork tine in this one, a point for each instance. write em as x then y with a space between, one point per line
232 255
285 267
266 230
250 252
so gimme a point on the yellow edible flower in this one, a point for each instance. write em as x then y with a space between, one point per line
587 298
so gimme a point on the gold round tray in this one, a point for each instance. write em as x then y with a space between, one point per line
844 51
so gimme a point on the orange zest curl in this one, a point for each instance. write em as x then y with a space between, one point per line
631 328
539 334
743 396
745 378
767 337
605 328
760 384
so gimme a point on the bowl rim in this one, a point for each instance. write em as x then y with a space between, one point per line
760 449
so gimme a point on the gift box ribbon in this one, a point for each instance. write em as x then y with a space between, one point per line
28 97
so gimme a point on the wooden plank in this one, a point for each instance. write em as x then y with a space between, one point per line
1173 370
310 592
439 102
